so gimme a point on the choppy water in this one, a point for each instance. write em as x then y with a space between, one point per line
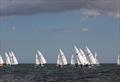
51 73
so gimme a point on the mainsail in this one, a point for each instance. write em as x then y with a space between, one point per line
13 59
84 56
7 59
91 57
118 60
1 60
58 60
79 56
40 58
97 62
72 60
61 58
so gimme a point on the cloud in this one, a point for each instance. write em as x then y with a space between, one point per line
27 7
84 29
13 28
89 13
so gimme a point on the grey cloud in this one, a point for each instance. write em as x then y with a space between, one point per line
84 29
25 7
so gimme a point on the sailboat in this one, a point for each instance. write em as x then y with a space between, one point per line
7 59
1 61
91 57
118 60
72 62
84 57
80 59
61 59
97 62
40 60
13 59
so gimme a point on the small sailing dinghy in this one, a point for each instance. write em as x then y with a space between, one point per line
40 60
80 59
7 59
61 61
1 61
13 59
84 57
91 57
72 62
96 59
118 60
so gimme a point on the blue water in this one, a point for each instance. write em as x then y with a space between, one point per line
52 73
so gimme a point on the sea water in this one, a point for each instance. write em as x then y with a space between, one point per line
52 73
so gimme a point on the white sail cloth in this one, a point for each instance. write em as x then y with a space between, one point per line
96 59
84 56
61 58
10 58
40 58
72 62
118 60
1 60
7 59
79 56
92 59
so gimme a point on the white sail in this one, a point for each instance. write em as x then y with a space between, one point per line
37 60
91 57
13 59
62 57
72 60
58 60
41 58
7 59
84 56
1 60
118 60
80 57
78 61
97 62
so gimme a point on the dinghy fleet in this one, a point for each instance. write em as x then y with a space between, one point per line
79 58
10 59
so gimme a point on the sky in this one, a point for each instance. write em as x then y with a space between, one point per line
48 26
